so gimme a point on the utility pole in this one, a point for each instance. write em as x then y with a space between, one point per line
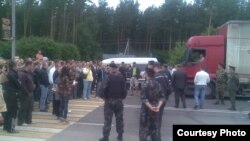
126 51
13 26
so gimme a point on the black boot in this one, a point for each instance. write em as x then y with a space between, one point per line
119 137
104 139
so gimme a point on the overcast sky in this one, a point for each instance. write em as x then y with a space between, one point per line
143 3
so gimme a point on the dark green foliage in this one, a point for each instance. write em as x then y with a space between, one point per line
28 47
5 50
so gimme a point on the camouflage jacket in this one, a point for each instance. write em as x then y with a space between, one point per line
152 92
233 82
221 77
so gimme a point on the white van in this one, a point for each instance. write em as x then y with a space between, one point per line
140 62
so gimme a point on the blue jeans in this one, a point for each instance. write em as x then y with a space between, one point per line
44 94
86 88
199 95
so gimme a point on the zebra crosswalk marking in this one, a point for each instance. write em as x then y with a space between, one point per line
45 125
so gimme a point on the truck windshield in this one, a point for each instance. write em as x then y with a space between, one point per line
194 56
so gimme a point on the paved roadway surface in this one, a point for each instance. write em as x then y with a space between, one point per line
87 121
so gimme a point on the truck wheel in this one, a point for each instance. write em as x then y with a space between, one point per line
210 91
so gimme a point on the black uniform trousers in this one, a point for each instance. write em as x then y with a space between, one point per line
113 107
4 119
26 107
179 94
11 104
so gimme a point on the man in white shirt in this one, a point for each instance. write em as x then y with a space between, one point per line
51 71
201 80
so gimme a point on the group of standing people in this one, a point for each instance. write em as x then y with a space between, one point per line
154 94
225 82
160 81
44 81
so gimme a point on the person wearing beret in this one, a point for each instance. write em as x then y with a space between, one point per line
232 86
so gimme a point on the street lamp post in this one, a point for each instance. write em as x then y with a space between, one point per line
13 35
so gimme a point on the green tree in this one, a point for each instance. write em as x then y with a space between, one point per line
176 55
5 50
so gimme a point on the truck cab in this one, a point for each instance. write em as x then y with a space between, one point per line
231 47
203 51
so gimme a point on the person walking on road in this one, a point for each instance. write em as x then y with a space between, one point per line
221 83
201 80
26 94
10 96
152 97
232 86
113 92
179 80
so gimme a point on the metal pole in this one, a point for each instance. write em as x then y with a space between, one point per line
13 26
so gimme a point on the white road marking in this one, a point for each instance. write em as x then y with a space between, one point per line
77 105
48 121
91 124
12 138
38 129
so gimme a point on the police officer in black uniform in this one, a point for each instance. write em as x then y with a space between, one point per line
164 81
113 91
10 95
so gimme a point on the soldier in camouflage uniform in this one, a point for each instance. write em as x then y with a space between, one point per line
232 86
152 98
113 91
221 83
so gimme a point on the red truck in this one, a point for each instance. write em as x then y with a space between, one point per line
231 46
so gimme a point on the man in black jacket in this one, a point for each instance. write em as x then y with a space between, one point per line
179 84
166 71
100 77
113 93
10 96
44 85
26 95
37 91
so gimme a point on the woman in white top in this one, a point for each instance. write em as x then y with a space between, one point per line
3 79
87 82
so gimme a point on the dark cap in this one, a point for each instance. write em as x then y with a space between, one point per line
151 62
232 67
113 65
157 65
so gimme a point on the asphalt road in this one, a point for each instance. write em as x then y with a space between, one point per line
89 128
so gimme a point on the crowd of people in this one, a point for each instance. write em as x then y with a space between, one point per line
25 81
